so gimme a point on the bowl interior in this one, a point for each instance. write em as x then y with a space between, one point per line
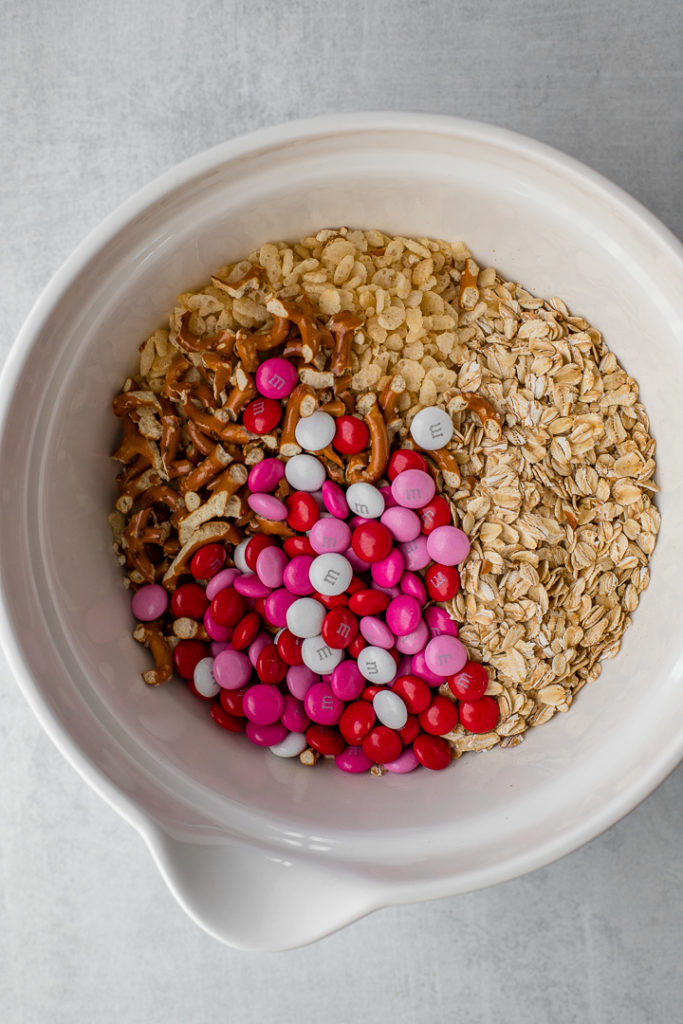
538 221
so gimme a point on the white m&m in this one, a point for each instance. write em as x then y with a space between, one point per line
315 432
365 500
330 574
431 428
390 709
317 655
305 617
376 665
305 473
204 679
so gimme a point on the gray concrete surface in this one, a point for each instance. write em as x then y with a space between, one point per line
96 99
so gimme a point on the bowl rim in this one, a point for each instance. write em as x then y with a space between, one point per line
284 135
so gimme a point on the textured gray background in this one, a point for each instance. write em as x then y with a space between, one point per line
96 99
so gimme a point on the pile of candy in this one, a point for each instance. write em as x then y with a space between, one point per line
318 638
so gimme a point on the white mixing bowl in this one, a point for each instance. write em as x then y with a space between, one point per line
266 854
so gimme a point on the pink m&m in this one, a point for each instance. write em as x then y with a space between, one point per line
265 735
263 704
413 488
439 621
411 643
415 554
277 603
329 534
221 581
347 682
403 615
388 571
418 667
445 655
265 476
322 706
267 506
402 523
275 378
149 602
294 715
353 760
300 678
232 669
296 576
376 632
412 584
405 762
270 567
334 499
448 545
252 585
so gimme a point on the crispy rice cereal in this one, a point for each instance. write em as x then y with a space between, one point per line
550 470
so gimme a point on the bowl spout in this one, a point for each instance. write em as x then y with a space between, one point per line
257 900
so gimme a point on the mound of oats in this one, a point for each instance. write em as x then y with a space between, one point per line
556 491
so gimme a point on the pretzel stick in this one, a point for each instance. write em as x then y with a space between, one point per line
211 466
379 450
216 428
390 395
243 392
302 402
221 369
201 441
481 407
334 408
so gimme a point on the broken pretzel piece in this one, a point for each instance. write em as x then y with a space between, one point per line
149 634
447 465
481 407
343 326
469 292
390 395
312 334
236 289
138 534
191 343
